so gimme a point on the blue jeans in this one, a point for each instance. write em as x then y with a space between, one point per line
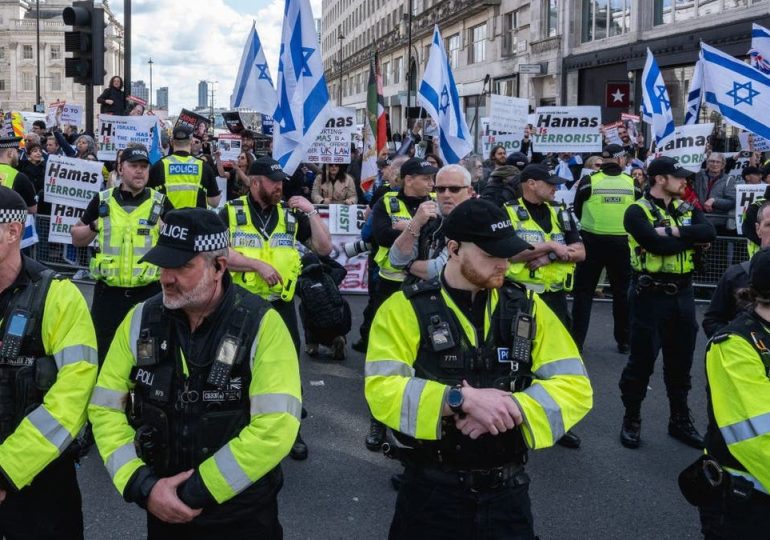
426 510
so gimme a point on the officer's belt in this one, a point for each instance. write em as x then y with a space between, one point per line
473 479
657 282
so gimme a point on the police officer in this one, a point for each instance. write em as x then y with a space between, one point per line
405 210
47 371
724 304
662 234
125 221
601 201
198 399
12 178
738 435
750 219
264 233
470 370
186 180
552 232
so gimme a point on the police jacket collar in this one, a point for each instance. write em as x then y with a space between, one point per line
411 201
225 303
181 153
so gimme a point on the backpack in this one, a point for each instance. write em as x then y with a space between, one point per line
323 308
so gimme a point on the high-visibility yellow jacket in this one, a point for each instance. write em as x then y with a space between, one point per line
645 261
559 396
387 270
7 175
183 180
739 395
273 394
610 196
68 336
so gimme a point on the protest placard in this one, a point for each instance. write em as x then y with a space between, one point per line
193 122
512 143
745 194
611 133
62 219
687 145
346 219
750 141
508 114
333 143
116 132
567 129
229 146
71 181
740 160
233 122
345 223
53 113
71 115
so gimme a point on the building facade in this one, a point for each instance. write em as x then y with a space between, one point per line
162 98
203 94
551 52
18 55
139 89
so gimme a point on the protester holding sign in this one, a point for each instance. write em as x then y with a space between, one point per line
125 221
113 100
11 178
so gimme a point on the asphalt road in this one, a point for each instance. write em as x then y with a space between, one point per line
602 490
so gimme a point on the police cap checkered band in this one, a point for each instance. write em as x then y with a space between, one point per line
10 142
12 206
186 233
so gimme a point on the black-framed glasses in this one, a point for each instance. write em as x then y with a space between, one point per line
452 189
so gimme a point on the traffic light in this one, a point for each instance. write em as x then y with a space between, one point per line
85 42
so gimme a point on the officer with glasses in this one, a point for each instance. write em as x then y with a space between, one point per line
423 255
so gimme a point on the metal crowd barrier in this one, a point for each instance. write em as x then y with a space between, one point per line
64 258
724 251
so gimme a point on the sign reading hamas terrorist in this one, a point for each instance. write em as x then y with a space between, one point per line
567 129
71 181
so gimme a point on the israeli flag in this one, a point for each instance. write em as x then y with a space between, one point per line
739 92
438 95
254 87
760 48
303 98
694 95
155 152
656 105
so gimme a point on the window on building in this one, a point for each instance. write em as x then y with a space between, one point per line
478 50
2 85
2 53
26 52
669 11
27 82
509 29
399 66
551 19
387 74
358 83
453 50
55 52
507 87
605 18
55 82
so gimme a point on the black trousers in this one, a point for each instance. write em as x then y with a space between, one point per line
737 521
371 308
288 313
426 510
110 306
263 524
610 252
48 509
557 301
659 322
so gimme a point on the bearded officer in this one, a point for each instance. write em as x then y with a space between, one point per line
198 400
48 367
460 368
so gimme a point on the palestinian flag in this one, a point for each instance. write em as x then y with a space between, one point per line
375 127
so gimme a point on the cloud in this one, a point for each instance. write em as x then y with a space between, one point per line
199 40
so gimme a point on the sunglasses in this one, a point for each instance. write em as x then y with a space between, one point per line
452 189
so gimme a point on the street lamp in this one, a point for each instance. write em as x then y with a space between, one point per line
151 63
340 38
211 117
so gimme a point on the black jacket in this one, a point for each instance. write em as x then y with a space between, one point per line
724 305
118 106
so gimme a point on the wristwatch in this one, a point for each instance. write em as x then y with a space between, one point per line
552 256
454 399
312 213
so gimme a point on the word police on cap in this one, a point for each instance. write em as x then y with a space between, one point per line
501 225
174 231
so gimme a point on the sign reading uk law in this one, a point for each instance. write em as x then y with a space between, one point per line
567 129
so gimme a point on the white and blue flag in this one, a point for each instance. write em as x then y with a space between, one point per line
738 91
694 95
760 48
656 105
254 87
438 95
303 98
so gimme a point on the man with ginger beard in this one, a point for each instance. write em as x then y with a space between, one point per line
464 398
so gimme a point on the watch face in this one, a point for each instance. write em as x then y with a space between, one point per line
455 397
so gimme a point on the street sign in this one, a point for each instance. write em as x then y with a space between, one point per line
531 69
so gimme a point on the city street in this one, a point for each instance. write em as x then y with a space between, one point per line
601 490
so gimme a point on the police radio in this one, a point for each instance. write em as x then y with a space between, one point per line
226 356
523 333
154 214
15 331
564 217
521 213
240 217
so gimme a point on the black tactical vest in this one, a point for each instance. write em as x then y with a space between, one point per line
26 377
181 420
486 366
744 325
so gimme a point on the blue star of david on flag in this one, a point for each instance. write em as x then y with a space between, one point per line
656 105
444 100
253 86
747 98
263 73
663 97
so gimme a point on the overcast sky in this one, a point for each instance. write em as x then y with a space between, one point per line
193 40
